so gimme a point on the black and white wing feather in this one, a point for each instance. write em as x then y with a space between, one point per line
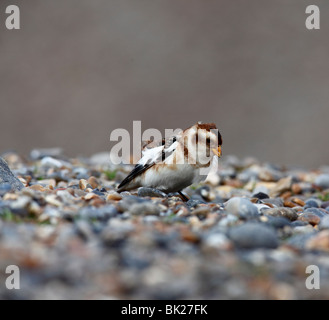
151 155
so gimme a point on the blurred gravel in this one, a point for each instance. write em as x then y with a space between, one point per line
248 232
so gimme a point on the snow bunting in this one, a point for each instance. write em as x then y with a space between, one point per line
175 162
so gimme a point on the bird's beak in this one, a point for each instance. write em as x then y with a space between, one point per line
217 152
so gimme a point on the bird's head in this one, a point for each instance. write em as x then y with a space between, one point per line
203 141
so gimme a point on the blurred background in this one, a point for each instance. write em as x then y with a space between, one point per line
78 69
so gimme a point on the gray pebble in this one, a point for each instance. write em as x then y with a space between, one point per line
277 222
303 229
241 207
253 235
311 203
299 240
127 201
145 208
318 212
322 181
227 221
298 223
324 223
151 192
8 178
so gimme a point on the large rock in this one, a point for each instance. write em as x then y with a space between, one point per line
7 178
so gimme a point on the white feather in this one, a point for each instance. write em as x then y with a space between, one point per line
150 155
154 154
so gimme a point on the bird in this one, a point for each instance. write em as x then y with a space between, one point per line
174 163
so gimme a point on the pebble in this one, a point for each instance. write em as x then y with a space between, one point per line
37 154
47 182
253 235
83 184
322 181
93 182
299 240
275 202
309 217
317 211
217 241
288 213
144 208
276 221
150 192
324 223
52 200
283 184
298 201
242 208
113 195
311 203
305 229
51 162
325 204
319 241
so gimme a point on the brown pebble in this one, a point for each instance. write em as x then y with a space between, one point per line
310 218
298 201
83 184
296 188
286 194
90 196
282 185
113 196
282 212
289 204
93 182
37 187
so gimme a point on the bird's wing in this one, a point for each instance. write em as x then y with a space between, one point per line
151 155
